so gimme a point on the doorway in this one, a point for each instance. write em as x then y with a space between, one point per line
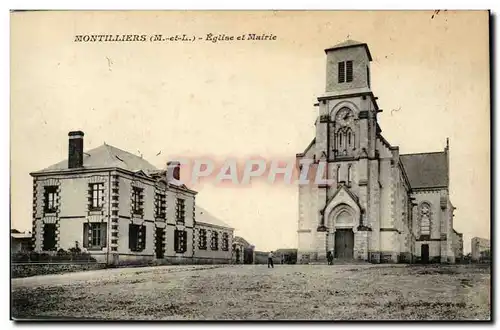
237 255
160 235
344 244
424 252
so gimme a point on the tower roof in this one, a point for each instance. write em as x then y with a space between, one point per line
348 44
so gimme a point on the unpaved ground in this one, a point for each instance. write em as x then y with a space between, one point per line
253 292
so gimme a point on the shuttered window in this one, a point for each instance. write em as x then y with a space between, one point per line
94 235
345 71
214 242
136 237
225 242
202 243
180 241
49 237
348 70
341 71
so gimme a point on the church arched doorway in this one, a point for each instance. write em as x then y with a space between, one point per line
344 244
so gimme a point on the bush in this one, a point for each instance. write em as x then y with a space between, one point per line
61 255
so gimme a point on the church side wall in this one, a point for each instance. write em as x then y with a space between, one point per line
432 197
308 217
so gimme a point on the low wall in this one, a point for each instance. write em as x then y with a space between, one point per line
33 269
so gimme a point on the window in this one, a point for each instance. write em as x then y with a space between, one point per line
180 210
94 235
345 141
341 72
136 237
338 174
202 242
49 237
160 205
50 199
348 71
180 241
214 243
96 197
345 71
225 242
425 219
137 200
349 175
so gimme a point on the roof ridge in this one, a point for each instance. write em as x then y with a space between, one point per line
424 153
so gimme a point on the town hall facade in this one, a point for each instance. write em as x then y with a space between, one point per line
382 206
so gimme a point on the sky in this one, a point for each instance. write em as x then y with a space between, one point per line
243 99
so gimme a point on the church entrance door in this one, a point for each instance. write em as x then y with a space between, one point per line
344 244
424 252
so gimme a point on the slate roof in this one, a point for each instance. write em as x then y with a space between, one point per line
426 170
239 239
350 43
107 156
206 217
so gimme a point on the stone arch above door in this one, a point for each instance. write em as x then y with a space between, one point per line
343 216
342 200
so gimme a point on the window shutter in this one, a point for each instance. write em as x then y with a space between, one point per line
176 240
103 234
341 70
140 239
348 71
143 230
184 241
86 228
131 240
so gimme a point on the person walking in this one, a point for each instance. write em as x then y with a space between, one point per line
270 260
330 257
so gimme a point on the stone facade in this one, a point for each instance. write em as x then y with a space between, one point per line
379 205
117 207
479 245
213 240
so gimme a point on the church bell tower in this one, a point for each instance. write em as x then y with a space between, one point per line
346 132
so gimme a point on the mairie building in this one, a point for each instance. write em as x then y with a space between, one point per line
122 210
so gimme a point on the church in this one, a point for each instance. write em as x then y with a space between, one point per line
380 205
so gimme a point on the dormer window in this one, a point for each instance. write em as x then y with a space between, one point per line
345 71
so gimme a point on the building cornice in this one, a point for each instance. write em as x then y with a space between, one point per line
343 96
77 171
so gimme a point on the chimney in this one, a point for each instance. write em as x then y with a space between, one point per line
173 170
75 149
